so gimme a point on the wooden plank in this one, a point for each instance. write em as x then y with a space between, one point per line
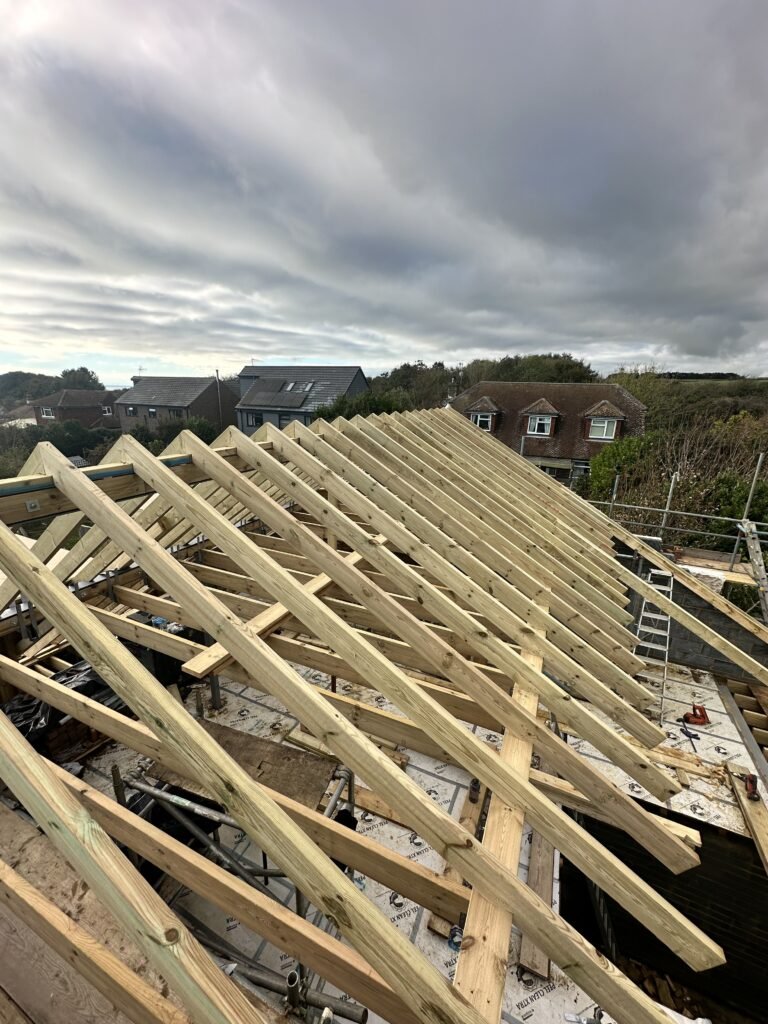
541 870
469 817
27 498
100 967
332 959
204 991
215 657
419 885
10 1012
481 969
755 812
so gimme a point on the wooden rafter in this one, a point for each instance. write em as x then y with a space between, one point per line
393 565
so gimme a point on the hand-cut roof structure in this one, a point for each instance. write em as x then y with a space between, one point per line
376 551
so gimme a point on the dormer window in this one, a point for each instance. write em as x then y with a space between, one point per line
484 420
540 425
602 428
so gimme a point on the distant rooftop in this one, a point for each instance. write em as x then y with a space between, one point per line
74 398
174 391
295 387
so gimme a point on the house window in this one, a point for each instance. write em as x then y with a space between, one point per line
290 385
601 428
254 419
540 425
309 385
46 413
176 413
152 413
106 410
130 410
482 420
284 419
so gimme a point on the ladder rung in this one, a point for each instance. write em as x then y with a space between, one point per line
662 616
655 661
652 630
651 646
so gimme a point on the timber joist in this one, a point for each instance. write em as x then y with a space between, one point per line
411 556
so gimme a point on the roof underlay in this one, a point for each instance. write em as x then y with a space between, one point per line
376 551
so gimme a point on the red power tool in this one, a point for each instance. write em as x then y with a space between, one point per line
698 716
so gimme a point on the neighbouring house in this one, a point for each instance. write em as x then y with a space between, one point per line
21 416
90 408
559 427
153 401
279 394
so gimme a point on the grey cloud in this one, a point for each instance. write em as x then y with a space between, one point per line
206 184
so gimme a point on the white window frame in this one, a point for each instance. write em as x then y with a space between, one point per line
106 410
538 420
483 420
602 428
152 412
254 419
46 413
130 411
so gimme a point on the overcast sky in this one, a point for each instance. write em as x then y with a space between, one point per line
192 184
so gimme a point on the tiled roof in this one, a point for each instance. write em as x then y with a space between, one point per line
572 403
605 408
75 398
173 391
268 388
484 404
541 407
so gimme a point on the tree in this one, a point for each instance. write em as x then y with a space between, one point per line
367 403
80 378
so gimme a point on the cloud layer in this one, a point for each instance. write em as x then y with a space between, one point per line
191 185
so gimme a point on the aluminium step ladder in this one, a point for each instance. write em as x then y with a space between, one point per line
654 625
758 563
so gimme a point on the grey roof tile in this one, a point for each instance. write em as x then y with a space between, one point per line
173 391
267 390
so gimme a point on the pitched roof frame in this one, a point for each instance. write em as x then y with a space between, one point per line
261 818
223 490
586 521
587 576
